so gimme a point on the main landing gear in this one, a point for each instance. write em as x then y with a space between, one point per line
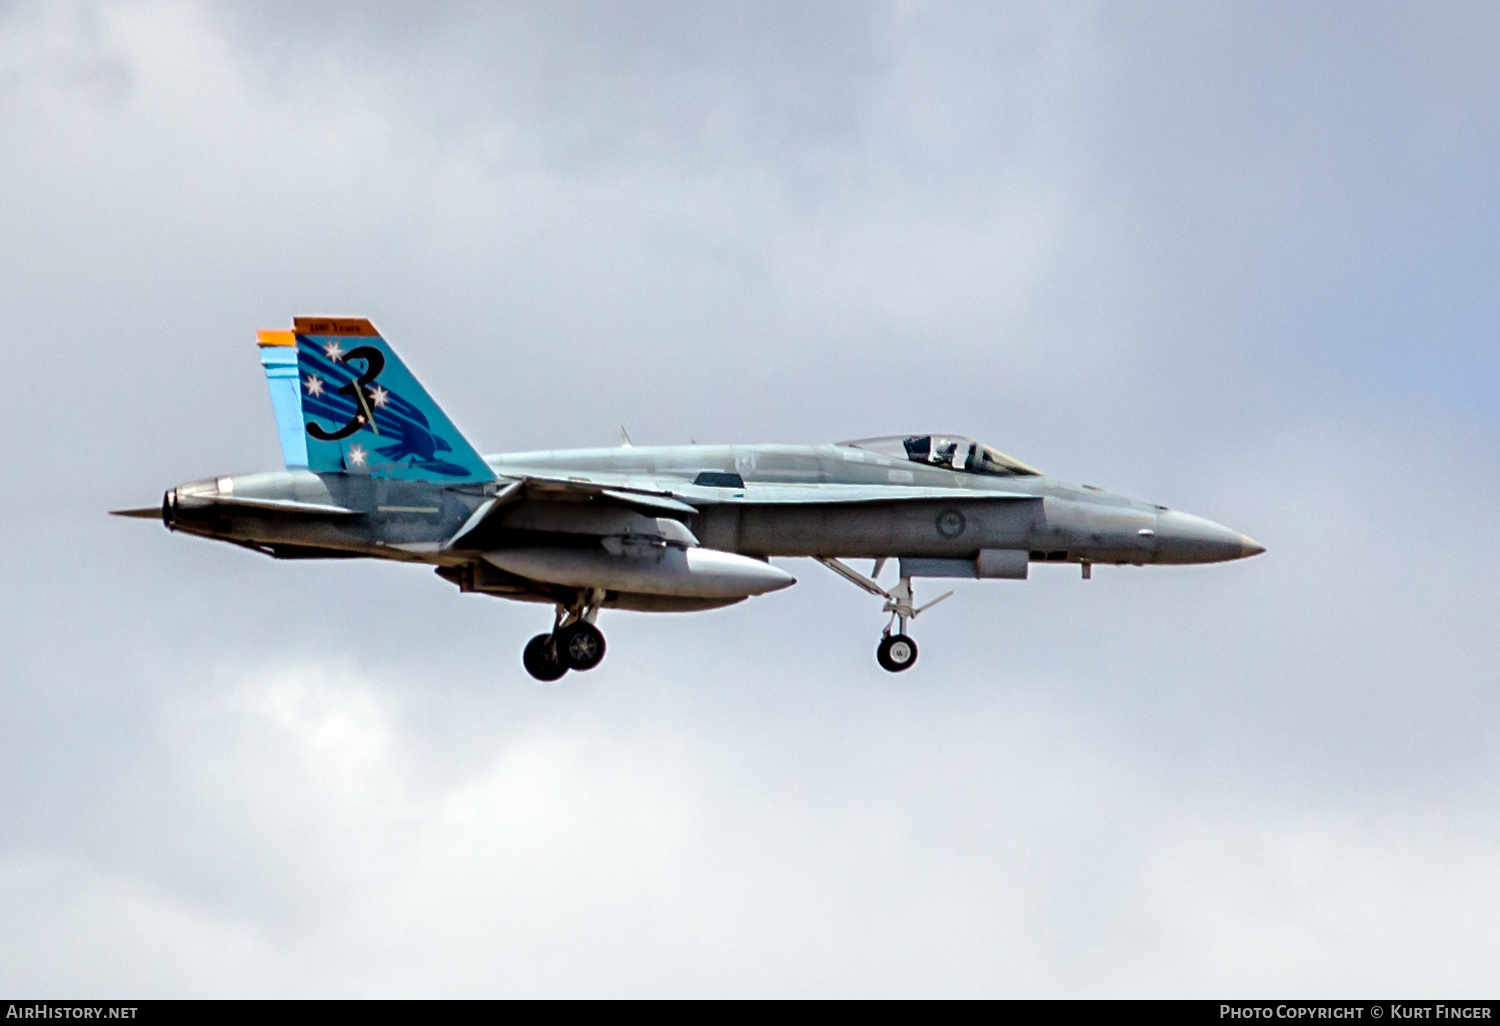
574 643
896 652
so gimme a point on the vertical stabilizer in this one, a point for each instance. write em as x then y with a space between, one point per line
278 354
362 412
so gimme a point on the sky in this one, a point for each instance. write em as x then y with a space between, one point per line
1240 259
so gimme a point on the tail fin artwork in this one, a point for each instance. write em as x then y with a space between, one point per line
345 403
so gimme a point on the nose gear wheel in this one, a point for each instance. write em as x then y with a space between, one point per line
896 652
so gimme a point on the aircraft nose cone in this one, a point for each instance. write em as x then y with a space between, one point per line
1185 538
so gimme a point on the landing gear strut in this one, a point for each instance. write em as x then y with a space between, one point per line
574 644
896 651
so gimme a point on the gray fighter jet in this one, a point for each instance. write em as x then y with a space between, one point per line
375 469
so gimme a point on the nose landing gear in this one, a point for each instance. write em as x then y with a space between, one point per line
574 644
897 651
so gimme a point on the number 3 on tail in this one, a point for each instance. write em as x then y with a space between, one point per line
359 390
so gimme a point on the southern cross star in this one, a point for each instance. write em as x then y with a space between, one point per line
379 396
334 351
314 385
357 456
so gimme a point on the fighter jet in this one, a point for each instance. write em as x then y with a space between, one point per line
375 469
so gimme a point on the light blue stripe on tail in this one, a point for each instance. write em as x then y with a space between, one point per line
280 360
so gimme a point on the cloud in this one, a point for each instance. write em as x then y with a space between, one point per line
313 844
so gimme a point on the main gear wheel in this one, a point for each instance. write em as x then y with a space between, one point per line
542 658
580 645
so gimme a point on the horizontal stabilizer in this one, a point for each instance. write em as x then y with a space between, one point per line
510 493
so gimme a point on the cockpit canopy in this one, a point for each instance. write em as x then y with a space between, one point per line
951 451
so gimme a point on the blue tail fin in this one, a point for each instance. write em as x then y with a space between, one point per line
278 353
345 403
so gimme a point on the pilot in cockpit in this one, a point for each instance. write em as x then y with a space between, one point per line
940 452
950 452
943 451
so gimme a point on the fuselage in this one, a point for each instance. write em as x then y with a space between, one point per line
832 500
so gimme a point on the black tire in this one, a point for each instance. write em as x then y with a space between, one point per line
897 652
540 657
580 646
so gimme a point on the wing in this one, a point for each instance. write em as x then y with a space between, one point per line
544 491
644 499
